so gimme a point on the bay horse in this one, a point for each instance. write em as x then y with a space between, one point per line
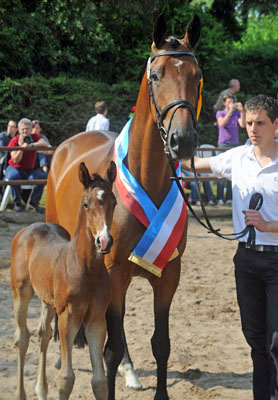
70 278
165 117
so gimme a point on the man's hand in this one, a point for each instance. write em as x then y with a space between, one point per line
253 217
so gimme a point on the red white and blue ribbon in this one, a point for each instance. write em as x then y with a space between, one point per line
164 226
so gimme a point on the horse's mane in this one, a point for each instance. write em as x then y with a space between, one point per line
174 42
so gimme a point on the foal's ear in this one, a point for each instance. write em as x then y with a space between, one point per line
84 175
111 172
193 31
160 30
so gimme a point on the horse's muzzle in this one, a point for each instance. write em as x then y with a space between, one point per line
182 145
104 247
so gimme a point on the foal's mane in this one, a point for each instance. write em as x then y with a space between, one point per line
97 180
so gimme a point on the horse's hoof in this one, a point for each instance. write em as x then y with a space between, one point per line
131 380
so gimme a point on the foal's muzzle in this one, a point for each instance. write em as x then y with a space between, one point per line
104 248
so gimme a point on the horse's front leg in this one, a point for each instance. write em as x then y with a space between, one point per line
114 348
126 367
44 334
95 331
164 289
68 326
22 297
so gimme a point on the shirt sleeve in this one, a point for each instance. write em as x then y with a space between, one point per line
221 165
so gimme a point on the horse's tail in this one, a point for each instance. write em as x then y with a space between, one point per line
56 332
80 340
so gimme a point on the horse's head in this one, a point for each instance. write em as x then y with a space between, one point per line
174 80
99 203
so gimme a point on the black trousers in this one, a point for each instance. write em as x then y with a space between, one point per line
256 276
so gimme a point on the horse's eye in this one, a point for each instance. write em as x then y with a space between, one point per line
85 205
154 76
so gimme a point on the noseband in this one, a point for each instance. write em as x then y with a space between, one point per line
176 104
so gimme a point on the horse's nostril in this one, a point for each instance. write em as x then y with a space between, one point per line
174 144
98 242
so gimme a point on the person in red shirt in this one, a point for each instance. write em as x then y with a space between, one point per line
22 164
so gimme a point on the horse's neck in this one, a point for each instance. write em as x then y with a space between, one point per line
146 158
83 244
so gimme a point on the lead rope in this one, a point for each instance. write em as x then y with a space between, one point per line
255 203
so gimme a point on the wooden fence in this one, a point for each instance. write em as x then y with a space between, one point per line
44 181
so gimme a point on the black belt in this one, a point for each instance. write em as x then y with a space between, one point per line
259 247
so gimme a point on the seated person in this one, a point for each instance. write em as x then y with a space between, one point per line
22 163
44 158
5 138
209 198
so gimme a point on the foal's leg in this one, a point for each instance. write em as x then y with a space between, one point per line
126 367
95 331
22 297
68 326
44 334
164 289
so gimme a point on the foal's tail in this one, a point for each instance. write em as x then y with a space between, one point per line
80 340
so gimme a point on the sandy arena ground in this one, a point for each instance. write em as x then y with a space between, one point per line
209 357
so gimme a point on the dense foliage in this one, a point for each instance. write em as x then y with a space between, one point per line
58 57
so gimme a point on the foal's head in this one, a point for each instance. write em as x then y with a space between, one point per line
99 202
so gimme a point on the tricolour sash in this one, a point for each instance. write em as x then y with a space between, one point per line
164 226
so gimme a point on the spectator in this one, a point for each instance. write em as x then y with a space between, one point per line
234 87
22 163
99 122
44 158
194 192
228 121
5 138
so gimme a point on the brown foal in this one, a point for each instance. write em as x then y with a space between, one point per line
70 278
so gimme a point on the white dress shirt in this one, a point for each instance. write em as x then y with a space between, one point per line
98 123
241 166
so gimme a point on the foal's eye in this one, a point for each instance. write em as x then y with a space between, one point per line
154 76
85 205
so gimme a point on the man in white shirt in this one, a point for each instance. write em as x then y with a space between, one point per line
99 122
254 168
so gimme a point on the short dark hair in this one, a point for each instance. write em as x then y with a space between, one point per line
36 122
263 102
228 96
100 107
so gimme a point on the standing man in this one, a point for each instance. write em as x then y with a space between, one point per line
234 87
5 138
22 164
228 121
99 122
254 168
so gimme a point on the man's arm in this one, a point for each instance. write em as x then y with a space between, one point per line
219 103
201 165
241 120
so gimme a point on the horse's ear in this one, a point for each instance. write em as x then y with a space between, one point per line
193 31
84 175
111 172
160 30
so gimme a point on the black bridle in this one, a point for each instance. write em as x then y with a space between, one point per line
180 103
256 200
